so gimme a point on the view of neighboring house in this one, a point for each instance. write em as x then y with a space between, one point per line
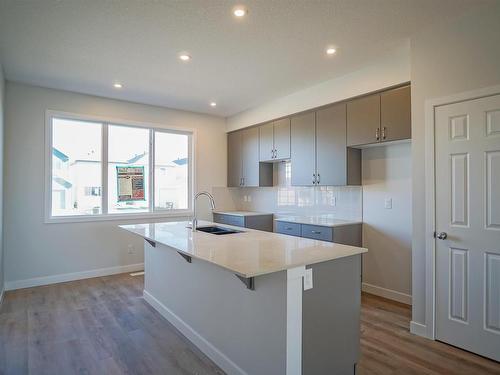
76 184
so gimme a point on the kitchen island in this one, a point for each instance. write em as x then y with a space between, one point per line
256 302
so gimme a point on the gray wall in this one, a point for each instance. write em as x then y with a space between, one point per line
387 232
2 112
35 249
449 58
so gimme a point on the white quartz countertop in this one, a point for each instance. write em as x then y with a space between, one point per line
249 253
321 220
242 213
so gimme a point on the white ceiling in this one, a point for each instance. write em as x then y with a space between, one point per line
278 48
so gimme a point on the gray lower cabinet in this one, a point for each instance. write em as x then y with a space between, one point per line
319 154
259 222
243 166
345 234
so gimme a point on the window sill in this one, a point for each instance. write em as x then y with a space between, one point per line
118 217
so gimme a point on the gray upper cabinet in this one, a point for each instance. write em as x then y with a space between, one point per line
319 154
243 167
395 114
363 120
266 142
331 156
250 146
274 140
234 160
303 149
382 117
282 139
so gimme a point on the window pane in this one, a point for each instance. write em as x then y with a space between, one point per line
171 171
128 169
76 167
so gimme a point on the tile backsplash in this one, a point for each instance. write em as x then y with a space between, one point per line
340 202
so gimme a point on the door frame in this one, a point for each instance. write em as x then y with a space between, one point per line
428 329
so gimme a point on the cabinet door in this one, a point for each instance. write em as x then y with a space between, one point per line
303 149
363 120
234 159
266 144
282 138
250 155
331 162
395 114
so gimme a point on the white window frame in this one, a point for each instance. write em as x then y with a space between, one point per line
153 212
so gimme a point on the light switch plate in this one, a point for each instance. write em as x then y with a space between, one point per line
388 203
308 279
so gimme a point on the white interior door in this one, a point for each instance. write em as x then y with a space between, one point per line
468 215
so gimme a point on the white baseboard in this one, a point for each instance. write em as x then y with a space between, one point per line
418 329
61 278
387 293
200 342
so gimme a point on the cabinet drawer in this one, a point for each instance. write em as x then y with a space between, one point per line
292 229
238 221
317 232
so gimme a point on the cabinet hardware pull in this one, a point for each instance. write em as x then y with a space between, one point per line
288 228
314 178
272 154
383 132
315 232
377 136
319 179
275 153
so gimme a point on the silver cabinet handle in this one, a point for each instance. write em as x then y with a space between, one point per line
383 132
288 228
275 153
318 179
315 232
272 154
377 136
442 236
314 178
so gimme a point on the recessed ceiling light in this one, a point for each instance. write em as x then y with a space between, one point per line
117 85
213 104
184 57
239 12
330 51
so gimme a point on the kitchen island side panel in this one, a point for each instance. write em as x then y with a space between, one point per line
248 327
331 318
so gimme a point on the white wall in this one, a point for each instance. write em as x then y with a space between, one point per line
390 70
387 232
452 57
34 249
2 113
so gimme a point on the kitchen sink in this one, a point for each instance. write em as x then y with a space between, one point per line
217 230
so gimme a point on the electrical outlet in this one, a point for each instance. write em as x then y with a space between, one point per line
388 203
308 279
130 249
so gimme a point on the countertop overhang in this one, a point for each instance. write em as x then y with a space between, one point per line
249 253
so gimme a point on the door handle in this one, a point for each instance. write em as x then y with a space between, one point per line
442 236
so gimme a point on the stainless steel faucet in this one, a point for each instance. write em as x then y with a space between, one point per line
212 203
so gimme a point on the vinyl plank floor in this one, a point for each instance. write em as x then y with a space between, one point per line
103 326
